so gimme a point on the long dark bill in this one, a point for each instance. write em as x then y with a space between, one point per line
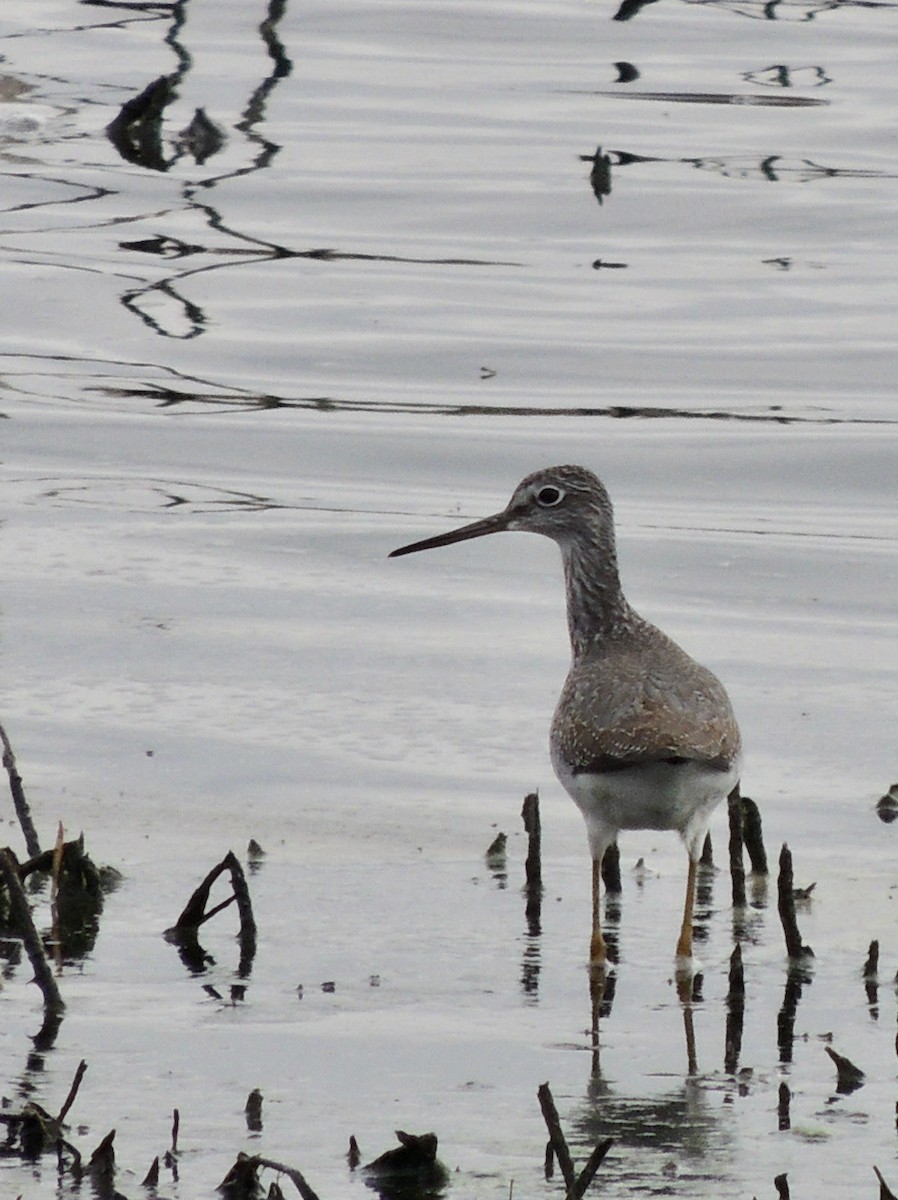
494 524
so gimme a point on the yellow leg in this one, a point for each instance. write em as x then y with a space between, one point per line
684 945
597 949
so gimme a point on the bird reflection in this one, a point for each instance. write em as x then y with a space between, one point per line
666 1129
603 981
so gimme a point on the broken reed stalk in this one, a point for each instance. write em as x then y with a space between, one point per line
32 841
737 867
795 948
21 915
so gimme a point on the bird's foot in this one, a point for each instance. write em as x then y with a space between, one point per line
687 968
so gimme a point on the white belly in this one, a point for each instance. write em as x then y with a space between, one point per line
660 795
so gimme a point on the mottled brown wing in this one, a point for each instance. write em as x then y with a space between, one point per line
643 703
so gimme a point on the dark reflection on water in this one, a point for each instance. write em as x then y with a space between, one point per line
762 101
774 168
798 976
138 133
680 1123
191 393
147 495
787 10
680 1126
182 318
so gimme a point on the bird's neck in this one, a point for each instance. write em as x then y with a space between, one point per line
596 606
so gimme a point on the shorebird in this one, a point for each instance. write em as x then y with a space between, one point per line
643 736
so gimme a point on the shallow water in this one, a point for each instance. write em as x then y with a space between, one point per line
234 374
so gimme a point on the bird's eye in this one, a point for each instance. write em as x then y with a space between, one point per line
549 496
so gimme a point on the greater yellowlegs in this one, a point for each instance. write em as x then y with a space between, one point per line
643 736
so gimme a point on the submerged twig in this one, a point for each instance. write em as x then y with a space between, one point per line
707 858
871 966
753 836
885 1192
611 870
871 978
737 867
533 890
786 906
241 1179
32 841
784 1101
295 1176
533 829
735 1012
796 977
151 1179
848 1076
556 1137
102 1161
353 1154
194 913
73 1091
575 1184
21 916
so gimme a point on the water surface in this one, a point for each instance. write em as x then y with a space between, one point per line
404 255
